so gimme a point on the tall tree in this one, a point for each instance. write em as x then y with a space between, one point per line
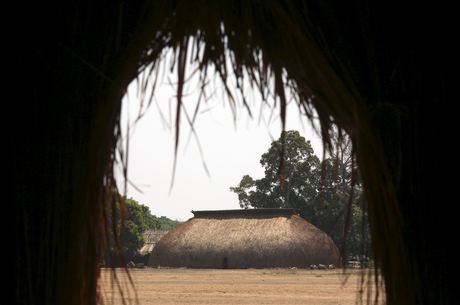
301 177
318 191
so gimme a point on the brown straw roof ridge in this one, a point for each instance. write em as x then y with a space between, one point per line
245 212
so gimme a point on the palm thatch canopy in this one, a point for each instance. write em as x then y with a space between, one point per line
379 71
256 238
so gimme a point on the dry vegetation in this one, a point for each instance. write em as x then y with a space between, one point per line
241 287
256 238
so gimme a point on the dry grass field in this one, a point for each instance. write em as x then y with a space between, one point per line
236 287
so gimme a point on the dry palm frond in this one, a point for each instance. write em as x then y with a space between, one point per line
86 56
273 43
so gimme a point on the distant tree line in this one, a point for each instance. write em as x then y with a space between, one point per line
132 220
320 191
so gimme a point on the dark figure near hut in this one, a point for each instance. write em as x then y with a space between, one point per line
384 72
225 263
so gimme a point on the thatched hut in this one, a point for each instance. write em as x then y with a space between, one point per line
151 238
256 238
382 71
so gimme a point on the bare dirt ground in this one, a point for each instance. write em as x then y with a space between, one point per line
236 287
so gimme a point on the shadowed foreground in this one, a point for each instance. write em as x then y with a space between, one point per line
252 286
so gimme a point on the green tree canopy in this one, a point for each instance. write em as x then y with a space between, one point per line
318 191
301 177
137 219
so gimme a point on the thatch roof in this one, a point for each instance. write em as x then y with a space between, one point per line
81 56
254 238
151 238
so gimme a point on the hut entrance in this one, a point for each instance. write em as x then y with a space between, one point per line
225 263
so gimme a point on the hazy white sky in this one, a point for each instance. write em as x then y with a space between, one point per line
230 150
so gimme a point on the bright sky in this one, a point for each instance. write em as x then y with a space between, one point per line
231 148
